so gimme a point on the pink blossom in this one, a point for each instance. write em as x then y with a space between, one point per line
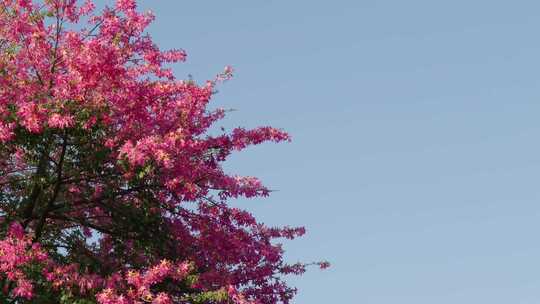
60 121
126 4
6 131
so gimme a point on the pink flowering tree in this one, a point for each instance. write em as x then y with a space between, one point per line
111 187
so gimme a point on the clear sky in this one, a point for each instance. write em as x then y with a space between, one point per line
415 161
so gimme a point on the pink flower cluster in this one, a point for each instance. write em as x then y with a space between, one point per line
16 253
140 285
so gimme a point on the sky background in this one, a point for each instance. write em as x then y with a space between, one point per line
415 161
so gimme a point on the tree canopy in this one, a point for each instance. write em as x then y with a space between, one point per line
111 186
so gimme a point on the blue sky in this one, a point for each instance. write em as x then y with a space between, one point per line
415 162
